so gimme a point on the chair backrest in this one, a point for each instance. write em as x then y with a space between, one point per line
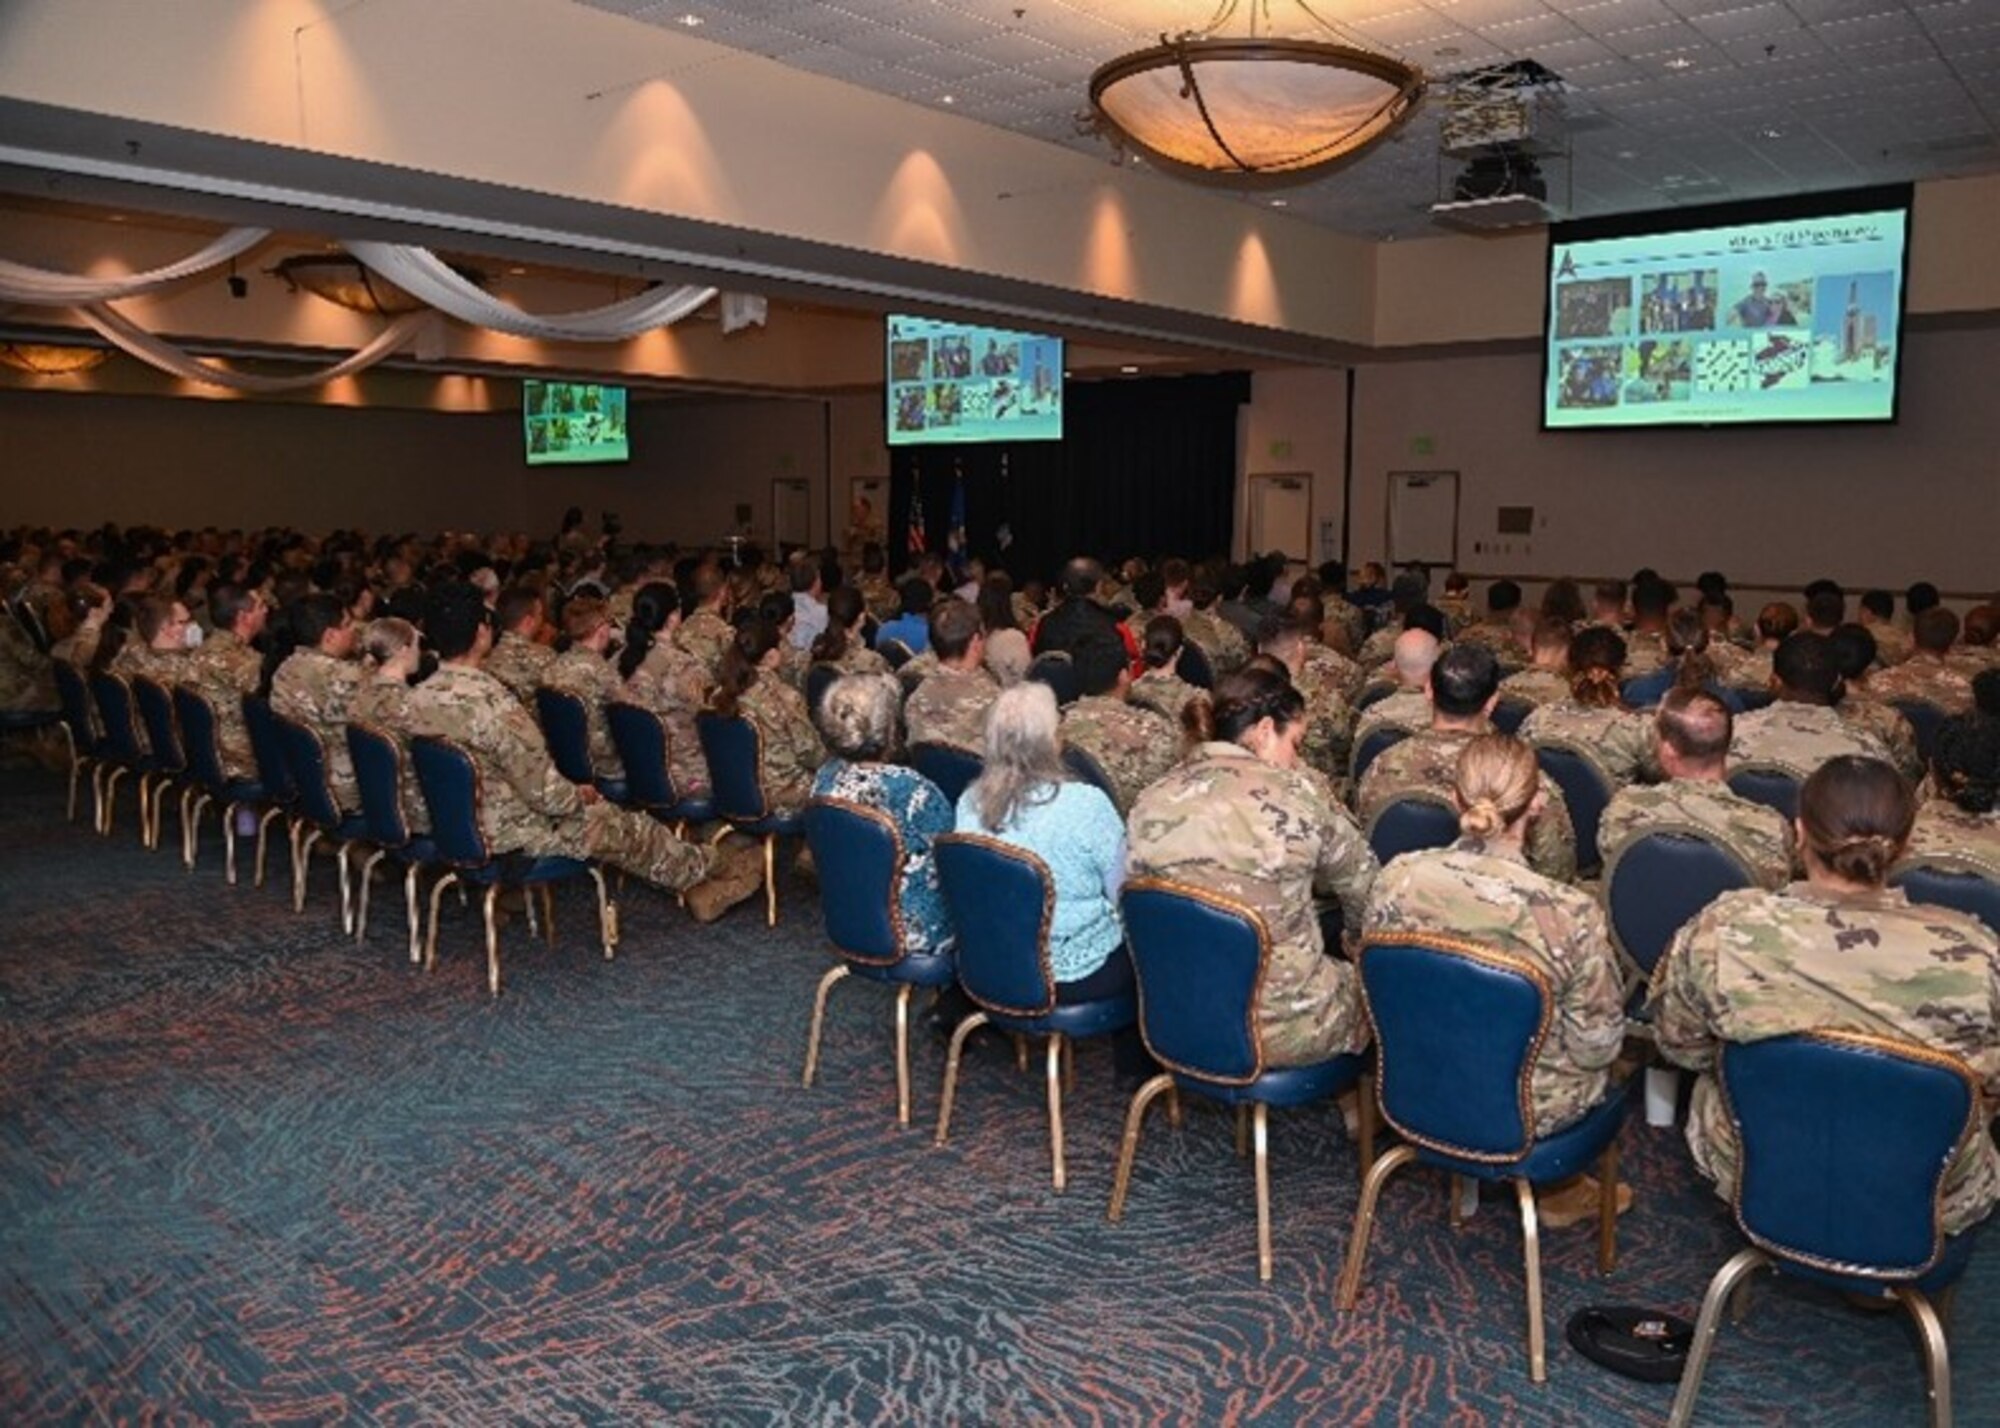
119 716
858 857
1412 822
642 741
1195 667
1510 714
1457 1028
75 696
1587 792
1374 744
378 774
1768 784
1925 719
450 781
1055 669
1374 693
267 750
305 757
734 751
1645 691
1659 881
896 652
566 729
1199 959
1753 699
1844 1143
1964 889
1085 766
951 769
196 717
819 679
156 712
1002 899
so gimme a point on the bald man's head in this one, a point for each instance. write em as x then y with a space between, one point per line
1416 652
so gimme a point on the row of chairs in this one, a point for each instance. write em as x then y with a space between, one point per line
1844 1137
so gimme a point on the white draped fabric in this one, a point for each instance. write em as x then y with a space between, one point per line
129 337
422 274
42 288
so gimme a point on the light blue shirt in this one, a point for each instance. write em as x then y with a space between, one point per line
808 619
1077 832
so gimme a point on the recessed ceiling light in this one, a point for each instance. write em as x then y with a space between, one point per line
1628 154
947 99
1680 62
1281 203
1129 371
1770 133
689 20
1447 52
517 272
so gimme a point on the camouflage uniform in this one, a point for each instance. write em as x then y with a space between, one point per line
1761 837
1946 833
1889 726
857 658
135 657
1132 744
1406 709
918 668
1799 738
520 664
1973 660
222 671
1351 620
1334 670
1752 671
1379 648
789 744
1486 894
593 679
1221 641
950 708
385 704
1535 686
526 806
1925 677
1729 661
1270 839
1758 964
1458 614
1329 736
879 596
706 636
1427 762
1618 741
1645 653
1498 636
675 685
316 689
27 676
78 647
1164 693
1893 644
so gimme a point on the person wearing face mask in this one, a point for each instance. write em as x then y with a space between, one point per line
1243 817
317 683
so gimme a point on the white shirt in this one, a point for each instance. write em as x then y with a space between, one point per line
808 619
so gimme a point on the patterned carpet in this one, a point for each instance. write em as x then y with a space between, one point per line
251 1171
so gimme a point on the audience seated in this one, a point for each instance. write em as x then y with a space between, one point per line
1802 730
1594 720
788 746
1960 822
585 671
664 677
1133 744
949 705
1160 687
521 656
316 685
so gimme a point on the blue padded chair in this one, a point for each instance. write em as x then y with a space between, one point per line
859 854
1410 823
155 702
79 731
211 782
951 769
566 730
1749 700
1645 691
1925 719
1845 1140
378 774
735 754
1200 959
320 816
1195 666
1947 884
1768 784
1055 669
1373 693
819 679
1457 1028
896 652
1085 766
1372 745
1510 714
122 750
450 781
1002 899
1586 790
267 748
644 747
1658 882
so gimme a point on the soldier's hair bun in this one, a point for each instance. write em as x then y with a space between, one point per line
1482 819
1497 780
1856 814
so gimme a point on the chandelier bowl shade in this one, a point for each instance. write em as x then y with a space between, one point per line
347 282
1254 112
42 359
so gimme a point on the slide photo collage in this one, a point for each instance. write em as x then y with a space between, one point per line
970 383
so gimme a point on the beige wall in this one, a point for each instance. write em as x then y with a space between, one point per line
1296 421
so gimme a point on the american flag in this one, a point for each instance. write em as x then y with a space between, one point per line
914 544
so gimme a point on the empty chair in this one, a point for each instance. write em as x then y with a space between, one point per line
644 746
1410 822
860 857
155 703
1457 1030
951 769
1769 784
450 783
1587 791
79 732
211 782
1002 902
1845 1141
1370 746
1655 884
1964 887
731 744
1199 960
378 775
122 750
275 773
566 729
321 817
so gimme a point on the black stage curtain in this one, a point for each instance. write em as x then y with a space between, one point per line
1144 467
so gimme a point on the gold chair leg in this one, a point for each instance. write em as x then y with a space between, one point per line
1135 1125
1174 1106
770 880
101 779
1260 1136
903 1054
361 894
193 799
1243 1130
965 1029
410 908
819 1021
431 941
1531 1254
228 816
1349 1289
1705 1325
145 810
490 905
1739 1301
607 913
1454 1195
340 855
1055 1057
75 773
301 866
1937 1355
548 912
1366 1113
263 828
1607 1208
1020 1052
534 913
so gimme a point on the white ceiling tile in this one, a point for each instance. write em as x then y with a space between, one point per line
946 64
891 45
1868 30
1522 36
1766 19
